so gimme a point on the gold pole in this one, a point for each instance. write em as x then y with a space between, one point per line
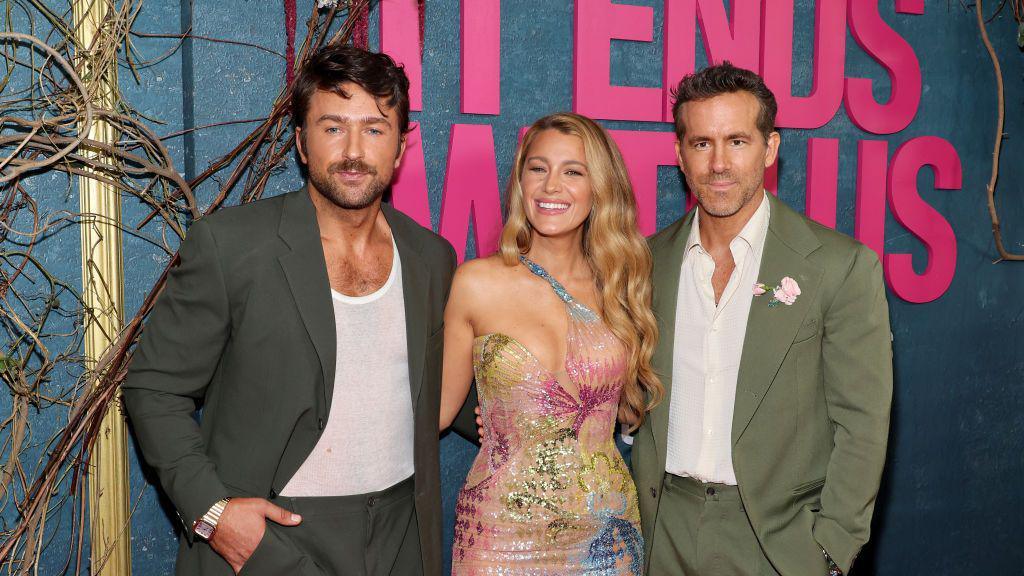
103 291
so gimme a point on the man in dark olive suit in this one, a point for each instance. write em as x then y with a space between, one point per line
309 328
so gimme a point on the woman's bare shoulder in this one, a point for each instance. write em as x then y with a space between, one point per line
483 270
479 281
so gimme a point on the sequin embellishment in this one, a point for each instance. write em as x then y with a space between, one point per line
548 492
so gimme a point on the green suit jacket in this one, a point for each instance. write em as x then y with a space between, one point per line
245 328
811 418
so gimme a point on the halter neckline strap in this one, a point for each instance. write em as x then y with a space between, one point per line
581 310
555 284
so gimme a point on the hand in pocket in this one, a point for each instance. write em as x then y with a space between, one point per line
242 525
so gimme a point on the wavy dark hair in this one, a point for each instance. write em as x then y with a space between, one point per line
721 79
332 66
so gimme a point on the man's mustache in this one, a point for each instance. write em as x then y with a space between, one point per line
723 177
353 166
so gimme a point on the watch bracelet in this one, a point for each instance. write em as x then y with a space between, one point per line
212 516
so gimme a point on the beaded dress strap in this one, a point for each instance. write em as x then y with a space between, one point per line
577 309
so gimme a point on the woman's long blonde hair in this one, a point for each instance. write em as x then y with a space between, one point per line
614 248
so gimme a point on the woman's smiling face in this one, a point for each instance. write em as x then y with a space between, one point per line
555 181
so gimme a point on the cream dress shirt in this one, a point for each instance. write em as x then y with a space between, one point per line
707 351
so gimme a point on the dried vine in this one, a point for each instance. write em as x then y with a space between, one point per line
44 128
1018 12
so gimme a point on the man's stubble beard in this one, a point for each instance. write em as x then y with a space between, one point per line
329 188
703 194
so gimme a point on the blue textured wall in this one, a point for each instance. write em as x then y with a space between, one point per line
55 195
951 500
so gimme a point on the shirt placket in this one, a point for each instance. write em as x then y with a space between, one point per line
714 396
705 460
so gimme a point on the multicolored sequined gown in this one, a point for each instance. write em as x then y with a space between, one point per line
549 492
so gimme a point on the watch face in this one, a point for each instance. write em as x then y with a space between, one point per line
204 530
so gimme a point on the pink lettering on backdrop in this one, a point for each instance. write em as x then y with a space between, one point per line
735 38
400 38
597 22
817 108
910 6
481 57
869 213
894 53
923 221
771 178
822 180
471 190
409 188
643 153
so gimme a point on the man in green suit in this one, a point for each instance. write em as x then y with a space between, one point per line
766 455
308 327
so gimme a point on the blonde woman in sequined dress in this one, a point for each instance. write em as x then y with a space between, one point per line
558 333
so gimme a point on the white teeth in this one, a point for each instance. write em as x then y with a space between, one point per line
552 206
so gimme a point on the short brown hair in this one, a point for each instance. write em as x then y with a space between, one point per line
721 79
334 65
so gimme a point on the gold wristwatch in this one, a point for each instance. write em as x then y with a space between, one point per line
207 525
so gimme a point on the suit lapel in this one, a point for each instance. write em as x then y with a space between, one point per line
771 329
415 291
668 259
306 271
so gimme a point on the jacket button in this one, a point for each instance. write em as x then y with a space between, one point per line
654 493
320 423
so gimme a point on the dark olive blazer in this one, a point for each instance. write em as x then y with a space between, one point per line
245 329
811 419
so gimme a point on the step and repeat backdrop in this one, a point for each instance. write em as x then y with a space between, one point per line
887 110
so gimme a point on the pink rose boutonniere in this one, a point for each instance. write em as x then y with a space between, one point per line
785 293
